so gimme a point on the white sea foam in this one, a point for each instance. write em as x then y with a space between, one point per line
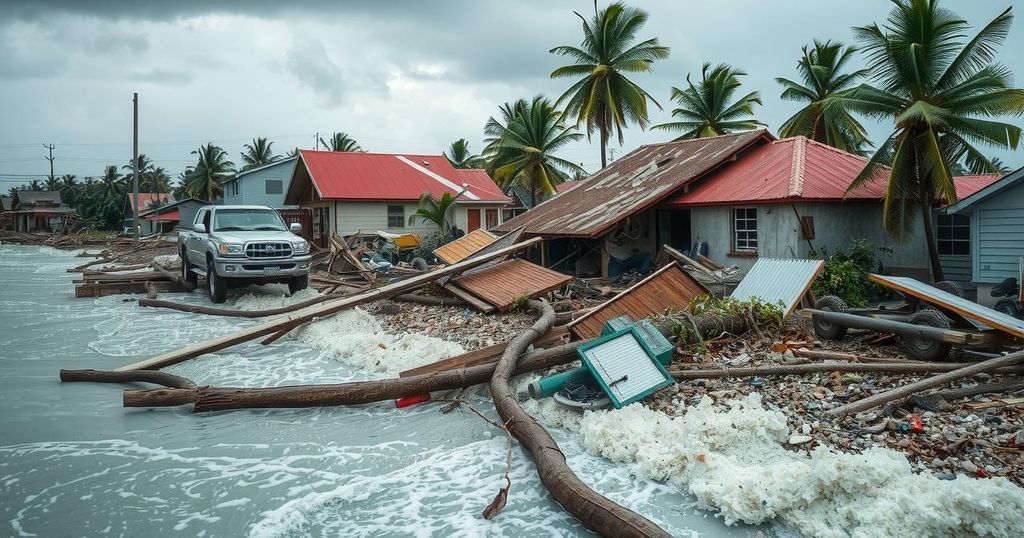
734 462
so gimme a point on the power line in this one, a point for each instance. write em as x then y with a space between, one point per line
50 158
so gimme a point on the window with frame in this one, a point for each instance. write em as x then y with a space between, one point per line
953 235
744 229
233 187
274 186
396 216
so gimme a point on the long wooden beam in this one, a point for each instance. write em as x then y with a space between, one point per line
310 313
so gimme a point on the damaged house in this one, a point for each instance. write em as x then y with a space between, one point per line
733 198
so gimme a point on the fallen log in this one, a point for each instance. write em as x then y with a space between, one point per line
139 376
433 300
844 356
482 355
880 398
803 369
174 276
302 316
591 508
358 392
228 312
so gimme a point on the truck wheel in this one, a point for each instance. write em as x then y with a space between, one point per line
186 271
923 348
298 283
829 331
215 284
1008 307
950 287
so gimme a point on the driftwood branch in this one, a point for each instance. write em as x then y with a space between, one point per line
228 312
140 376
590 507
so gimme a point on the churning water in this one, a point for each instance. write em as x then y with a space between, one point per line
73 462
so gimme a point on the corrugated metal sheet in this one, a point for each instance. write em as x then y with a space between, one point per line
631 184
968 309
625 370
669 287
383 176
464 246
503 284
774 280
502 242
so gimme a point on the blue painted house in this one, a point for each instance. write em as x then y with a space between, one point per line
263 185
996 215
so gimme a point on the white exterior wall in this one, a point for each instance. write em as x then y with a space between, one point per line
351 217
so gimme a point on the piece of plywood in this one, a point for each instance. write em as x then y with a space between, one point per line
968 309
503 284
777 280
669 287
464 247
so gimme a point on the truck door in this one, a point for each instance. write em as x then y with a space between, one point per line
197 241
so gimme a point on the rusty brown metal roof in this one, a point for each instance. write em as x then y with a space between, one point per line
503 284
464 246
669 287
631 184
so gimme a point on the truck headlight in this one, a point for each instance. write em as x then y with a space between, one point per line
300 247
229 249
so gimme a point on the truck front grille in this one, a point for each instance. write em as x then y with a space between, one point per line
268 250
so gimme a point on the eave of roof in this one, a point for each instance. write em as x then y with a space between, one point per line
988 191
239 174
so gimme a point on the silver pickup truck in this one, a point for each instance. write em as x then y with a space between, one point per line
236 245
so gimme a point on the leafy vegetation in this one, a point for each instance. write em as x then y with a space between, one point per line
765 316
706 108
846 272
340 142
437 211
258 153
459 156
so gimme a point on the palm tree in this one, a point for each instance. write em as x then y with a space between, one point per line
604 99
340 142
52 183
437 211
459 155
522 148
940 91
705 109
112 183
68 189
35 185
205 177
258 154
999 166
145 166
293 153
820 69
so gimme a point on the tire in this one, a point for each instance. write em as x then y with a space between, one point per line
1009 307
951 287
420 264
216 286
298 283
922 348
823 329
186 271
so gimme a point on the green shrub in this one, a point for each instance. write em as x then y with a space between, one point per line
846 272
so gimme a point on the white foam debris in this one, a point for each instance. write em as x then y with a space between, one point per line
357 338
168 260
269 296
734 462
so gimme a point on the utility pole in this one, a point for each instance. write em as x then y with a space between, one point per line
50 158
316 140
135 165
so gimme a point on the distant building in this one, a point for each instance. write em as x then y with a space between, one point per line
263 185
6 217
349 192
146 202
39 211
169 217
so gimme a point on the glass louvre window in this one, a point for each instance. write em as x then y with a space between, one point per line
744 226
396 216
954 235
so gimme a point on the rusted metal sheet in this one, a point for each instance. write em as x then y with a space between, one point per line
464 247
631 184
503 284
775 280
504 241
947 301
669 287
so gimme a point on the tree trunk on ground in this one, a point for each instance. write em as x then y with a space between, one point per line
138 376
591 508
929 234
210 311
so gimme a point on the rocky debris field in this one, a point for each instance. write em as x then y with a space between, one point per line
464 326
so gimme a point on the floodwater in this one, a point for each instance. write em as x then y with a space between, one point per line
74 462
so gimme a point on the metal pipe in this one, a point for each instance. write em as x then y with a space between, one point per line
900 328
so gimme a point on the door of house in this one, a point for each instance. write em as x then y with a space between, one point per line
492 218
473 215
673 229
321 226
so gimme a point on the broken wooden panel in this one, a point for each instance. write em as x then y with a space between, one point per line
669 287
503 284
947 301
463 247
504 241
775 280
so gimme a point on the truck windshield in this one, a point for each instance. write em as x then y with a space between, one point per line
247 220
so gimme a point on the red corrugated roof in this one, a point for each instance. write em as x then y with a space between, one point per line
386 176
146 197
170 216
567 186
796 169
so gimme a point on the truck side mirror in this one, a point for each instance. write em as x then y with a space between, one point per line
199 228
295 227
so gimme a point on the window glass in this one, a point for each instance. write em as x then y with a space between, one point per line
274 186
953 235
247 220
396 216
744 229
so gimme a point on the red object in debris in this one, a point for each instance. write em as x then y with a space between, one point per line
982 473
916 424
412 400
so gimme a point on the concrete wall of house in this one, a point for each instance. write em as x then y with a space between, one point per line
776 233
351 217
252 186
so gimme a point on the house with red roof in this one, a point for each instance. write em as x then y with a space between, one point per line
733 198
350 192
147 201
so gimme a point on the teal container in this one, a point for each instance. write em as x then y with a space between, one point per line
656 341
553 383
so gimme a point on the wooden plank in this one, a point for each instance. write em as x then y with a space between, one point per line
473 300
482 355
103 289
305 315
465 246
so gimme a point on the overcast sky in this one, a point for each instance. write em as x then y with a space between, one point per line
400 76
